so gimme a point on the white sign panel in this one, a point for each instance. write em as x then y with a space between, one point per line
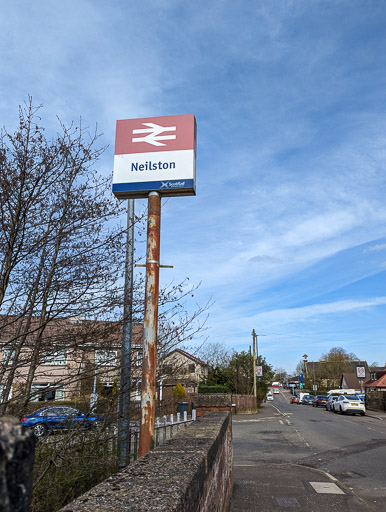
361 372
155 154
259 371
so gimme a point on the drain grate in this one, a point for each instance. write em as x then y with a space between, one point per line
288 502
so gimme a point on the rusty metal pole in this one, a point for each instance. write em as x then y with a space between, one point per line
150 323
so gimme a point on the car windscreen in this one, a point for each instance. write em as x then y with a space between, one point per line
350 397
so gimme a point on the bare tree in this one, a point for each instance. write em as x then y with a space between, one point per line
61 251
215 354
57 226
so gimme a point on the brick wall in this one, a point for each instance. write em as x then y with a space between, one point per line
190 473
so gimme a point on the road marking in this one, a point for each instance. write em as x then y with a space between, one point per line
288 502
254 420
326 488
278 410
281 422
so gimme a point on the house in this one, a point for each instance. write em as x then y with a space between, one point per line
180 366
70 358
62 360
351 381
377 381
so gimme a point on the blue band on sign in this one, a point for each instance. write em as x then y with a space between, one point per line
153 185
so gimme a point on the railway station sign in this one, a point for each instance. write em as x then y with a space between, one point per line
155 154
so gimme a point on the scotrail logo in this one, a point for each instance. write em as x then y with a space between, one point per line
154 136
172 184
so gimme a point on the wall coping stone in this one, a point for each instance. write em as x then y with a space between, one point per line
170 477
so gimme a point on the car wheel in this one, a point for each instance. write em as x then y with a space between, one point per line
334 410
341 410
363 414
39 429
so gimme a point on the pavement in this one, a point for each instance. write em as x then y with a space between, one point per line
275 487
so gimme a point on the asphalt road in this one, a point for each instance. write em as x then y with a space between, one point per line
282 451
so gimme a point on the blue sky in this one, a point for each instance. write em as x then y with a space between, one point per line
287 232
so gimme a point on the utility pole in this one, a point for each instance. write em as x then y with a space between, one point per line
124 432
255 357
254 363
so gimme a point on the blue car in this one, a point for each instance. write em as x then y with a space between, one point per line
57 418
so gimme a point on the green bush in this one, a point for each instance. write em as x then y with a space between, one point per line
69 464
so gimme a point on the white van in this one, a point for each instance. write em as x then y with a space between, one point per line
341 392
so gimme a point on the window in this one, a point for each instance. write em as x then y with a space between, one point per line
105 357
192 368
46 391
139 358
107 389
8 355
57 358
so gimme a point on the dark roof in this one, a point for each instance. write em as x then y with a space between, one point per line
352 381
66 331
190 356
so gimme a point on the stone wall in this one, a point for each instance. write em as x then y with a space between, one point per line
17 449
376 400
207 403
239 404
192 472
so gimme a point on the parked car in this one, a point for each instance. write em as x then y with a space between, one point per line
276 391
330 401
293 400
308 399
59 418
319 400
269 396
349 403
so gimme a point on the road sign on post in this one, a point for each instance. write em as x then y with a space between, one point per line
154 157
259 371
155 154
361 372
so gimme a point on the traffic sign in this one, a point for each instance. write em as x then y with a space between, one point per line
155 154
259 371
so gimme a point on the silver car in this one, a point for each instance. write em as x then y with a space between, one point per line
330 402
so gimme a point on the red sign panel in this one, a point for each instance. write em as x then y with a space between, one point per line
155 134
